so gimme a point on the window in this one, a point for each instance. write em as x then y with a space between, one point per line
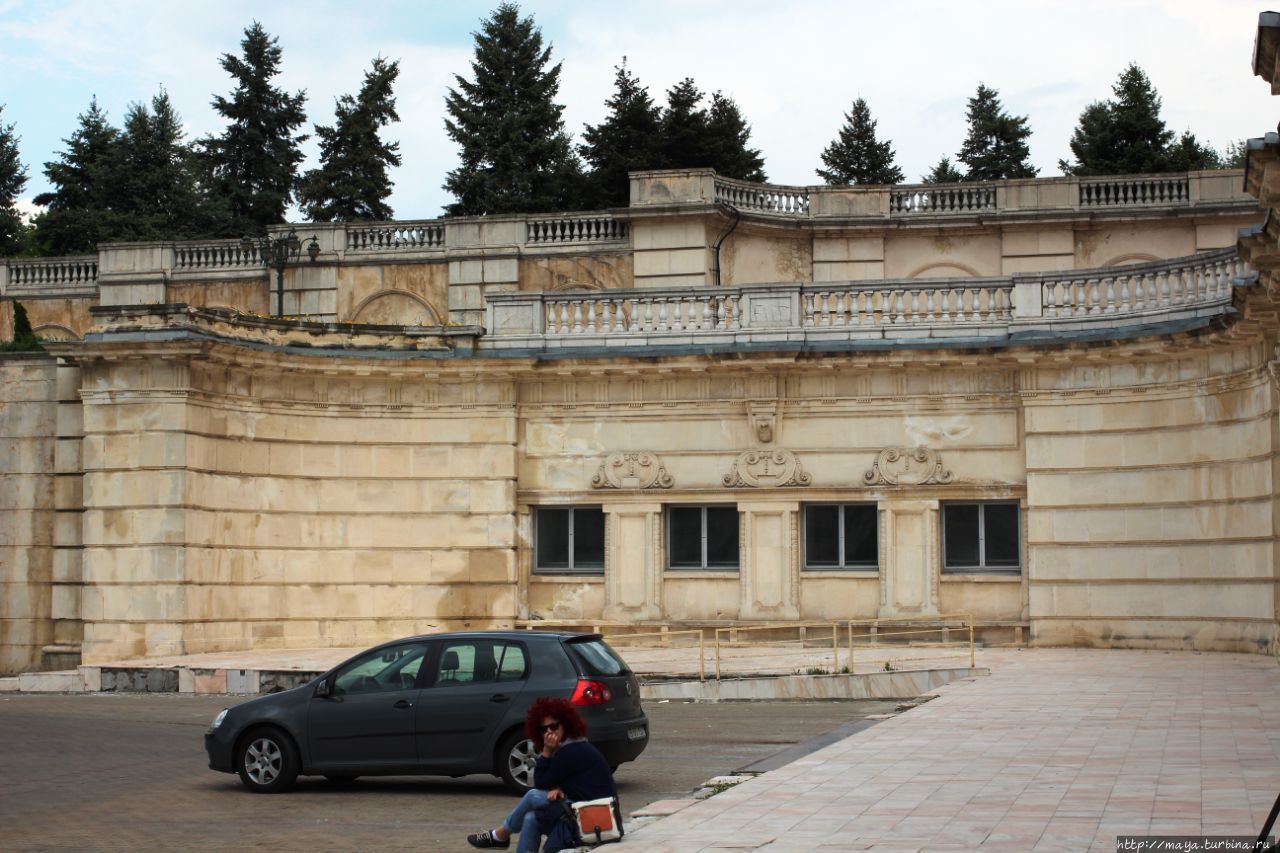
841 536
981 537
395 668
474 661
569 539
702 537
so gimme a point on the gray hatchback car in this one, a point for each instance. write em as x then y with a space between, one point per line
437 705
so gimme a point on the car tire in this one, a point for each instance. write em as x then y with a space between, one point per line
516 759
267 761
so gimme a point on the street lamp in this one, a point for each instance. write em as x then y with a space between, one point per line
278 253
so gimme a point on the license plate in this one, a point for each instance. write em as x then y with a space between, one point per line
636 733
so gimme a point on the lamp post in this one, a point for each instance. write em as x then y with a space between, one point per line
277 253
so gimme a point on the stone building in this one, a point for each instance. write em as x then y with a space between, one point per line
1049 403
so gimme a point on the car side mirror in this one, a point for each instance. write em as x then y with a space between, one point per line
324 688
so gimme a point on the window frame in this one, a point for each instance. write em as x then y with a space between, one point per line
571 569
666 523
982 568
840 537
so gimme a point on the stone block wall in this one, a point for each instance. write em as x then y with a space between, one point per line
28 429
1151 493
255 506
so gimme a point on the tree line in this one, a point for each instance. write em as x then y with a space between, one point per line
145 181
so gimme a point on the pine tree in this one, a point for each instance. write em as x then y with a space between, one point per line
1234 155
79 212
515 153
728 141
626 141
1189 154
716 137
1125 135
159 195
996 146
943 173
13 177
856 156
254 163
352 182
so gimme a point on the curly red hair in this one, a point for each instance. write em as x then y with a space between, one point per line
557 709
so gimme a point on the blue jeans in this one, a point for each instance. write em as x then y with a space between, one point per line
524 820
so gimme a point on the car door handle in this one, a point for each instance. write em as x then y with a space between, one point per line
499 697
403 703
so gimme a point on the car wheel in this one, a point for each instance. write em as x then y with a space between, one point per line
516 759
267 761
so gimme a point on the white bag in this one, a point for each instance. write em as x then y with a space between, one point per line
597 820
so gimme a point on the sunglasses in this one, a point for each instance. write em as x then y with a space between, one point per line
550 727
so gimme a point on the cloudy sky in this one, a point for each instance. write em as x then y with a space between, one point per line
794 67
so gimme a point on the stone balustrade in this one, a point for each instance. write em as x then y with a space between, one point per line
214 255
1134 190
762 198
992 308
411 235
1110 192
573 228
53 276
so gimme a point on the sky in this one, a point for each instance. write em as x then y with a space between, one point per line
794 67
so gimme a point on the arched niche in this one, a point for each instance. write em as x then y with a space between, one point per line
54 332
944 269
1130 259
396 308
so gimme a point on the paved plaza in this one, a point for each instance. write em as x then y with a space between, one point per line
1058 749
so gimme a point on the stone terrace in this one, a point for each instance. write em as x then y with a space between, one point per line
1057 750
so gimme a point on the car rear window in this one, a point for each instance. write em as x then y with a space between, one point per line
597 658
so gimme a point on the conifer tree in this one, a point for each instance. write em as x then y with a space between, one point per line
13 177
352 182
943 173
716 136
515 153
856 156
79 212
996 146
156 180
1125 135
1189 154
626 141
254 163
1234 155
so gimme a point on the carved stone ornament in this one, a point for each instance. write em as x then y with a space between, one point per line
767 468
764 421
632 470
906 466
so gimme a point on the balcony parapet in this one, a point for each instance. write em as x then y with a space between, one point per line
652 191
1092 302
64 276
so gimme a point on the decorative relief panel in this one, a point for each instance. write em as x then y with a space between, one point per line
906 466
632 470
767 468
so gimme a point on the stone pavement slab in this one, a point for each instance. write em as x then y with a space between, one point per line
1059 749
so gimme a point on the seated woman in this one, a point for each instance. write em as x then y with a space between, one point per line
569 767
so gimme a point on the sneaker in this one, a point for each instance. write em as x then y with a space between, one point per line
486 840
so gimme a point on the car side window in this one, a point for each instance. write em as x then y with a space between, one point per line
477 661
381 671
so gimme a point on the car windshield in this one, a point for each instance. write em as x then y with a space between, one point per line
597 658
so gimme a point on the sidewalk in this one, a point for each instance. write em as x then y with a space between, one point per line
1058 749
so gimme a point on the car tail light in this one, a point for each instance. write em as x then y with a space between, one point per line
591 693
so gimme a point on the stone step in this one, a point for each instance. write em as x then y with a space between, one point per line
65 681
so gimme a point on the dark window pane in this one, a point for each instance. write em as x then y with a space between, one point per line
553 538
1001 535
588 539
511 662
861 537
960 522
822 536
685 536
722 537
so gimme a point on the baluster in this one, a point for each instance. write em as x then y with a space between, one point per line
733 310
708 315
662 314
1162 280
898 316
721 310
553 326
806 303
